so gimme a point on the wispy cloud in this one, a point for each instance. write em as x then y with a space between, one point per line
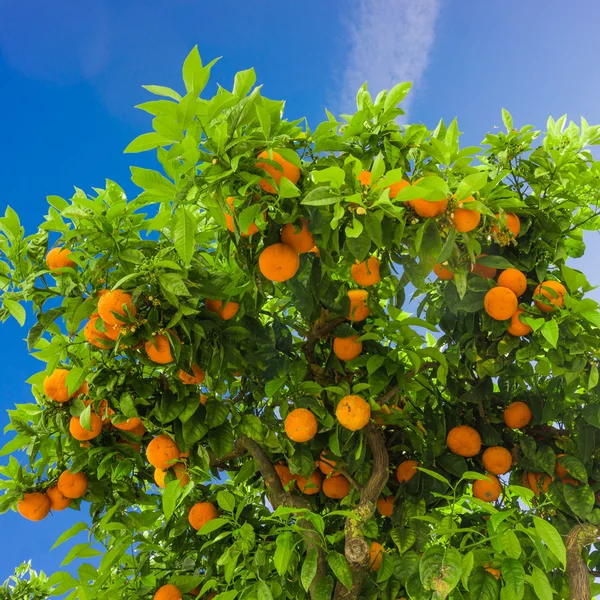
390 42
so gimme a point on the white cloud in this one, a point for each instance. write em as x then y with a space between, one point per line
390 42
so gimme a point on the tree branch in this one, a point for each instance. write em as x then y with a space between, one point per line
317 333
387 396
579 537
223 463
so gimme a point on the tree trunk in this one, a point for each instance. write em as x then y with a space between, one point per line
579 577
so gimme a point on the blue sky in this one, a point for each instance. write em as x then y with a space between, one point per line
70 74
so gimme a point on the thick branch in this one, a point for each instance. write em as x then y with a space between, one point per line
579 578
223 463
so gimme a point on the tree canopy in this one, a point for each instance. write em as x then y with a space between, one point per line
342 362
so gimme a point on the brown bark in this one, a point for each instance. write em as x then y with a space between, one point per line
579 537
318 332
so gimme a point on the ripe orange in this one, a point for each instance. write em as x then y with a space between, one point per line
513 224
364 178
226 313
203 399
159 350
132 424
180 471
517 415
488 490
34 506
482 270
301 425
427 209
252 228
497 573
95 337
347 348
538 482
554 295
375 556
336 487
385 411
395 188
464 441
443 272
168 592
517 327
162 451
195 379
500 303
514 280
201 513
59 257
385 506
310 485
289 171
82 434
72 485
353 412
112 307
559 469
57 500
406 470
285 475
279 262
570 481
55 386
301 241
359 310
465 220
497 460
366 273
327 463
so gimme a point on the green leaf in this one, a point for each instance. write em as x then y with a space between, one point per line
183 234
321 196
551 538
159 90
467 567
287 189
146 141
324 588
579 498
434 475
440 569
309 568
171 495
550 331
541 585
339 565
263 591
483 586
333 175
71 532
226 500
221 440
213 525
15 309
243 82
83 550
513 575
194 75
359 247
404 538
507 120
574 466
396 95
285 543
510 544
471 184
85 417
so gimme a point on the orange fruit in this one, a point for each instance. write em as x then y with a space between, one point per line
347 348
72 485
113 307
513 224
396 187
497 573
559 469
517 327
482 270
180 471
203 399
162 451
366 273
465 220
252 228
285 475
327 464
196 378
554 295
497 460
487 489
375 556
310 485
55 386
443 272
336 487
464 441
82 434
289 171
514 280
301 241
364 178
226 313
59 257
428 209
301 425
538 482
279 262
57 500
359 310
406 470
570 481
133 424
517 415
34 506
353 412
500 303
95 337
159 350
201 513
168 592
385 411
385 506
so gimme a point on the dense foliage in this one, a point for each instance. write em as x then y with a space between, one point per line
240 323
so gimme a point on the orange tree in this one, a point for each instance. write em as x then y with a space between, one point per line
234 391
